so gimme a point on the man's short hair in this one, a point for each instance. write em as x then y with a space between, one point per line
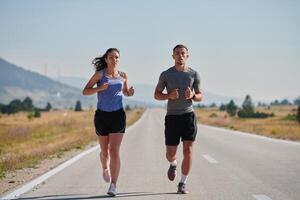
179 46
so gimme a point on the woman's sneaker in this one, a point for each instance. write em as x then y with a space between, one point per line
182 189
112 191
106 175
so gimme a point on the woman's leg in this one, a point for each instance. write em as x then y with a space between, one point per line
104 154
115 140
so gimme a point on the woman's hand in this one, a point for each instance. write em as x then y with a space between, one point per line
130 91
103 86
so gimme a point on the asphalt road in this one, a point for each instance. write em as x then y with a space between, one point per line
227 165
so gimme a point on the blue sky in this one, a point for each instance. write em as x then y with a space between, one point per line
238 47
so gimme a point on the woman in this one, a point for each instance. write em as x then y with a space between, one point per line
110 118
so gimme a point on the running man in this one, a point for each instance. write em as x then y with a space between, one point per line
183 87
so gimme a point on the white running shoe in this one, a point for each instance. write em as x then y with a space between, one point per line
112 191
106 175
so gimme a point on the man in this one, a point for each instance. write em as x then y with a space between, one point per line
182 84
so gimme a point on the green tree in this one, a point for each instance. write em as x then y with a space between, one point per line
248 106
213 105
48 107
231 108
78 106
297 101
223 107
298 114
13 107
275 103
285 102
27 104
1 107
199 105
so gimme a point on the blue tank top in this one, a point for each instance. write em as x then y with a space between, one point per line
110 99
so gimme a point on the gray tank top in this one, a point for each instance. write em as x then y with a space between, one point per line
172 79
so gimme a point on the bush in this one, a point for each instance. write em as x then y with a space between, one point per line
260 115
36 113
213 115
290 117
127 108
30 115
243 114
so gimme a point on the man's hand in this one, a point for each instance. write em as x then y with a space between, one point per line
173 94
188 93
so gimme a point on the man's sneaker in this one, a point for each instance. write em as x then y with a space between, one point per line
106 175
172 172
112 191
182 189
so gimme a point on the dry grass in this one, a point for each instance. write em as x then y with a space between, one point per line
24 142
133 115
276 127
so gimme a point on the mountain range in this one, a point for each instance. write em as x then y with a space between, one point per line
145 93
17 83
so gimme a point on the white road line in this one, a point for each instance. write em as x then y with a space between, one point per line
40 179
261 197
249 134
210 159
47 175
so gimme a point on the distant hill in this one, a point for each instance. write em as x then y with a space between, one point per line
145 93
17 83
76 82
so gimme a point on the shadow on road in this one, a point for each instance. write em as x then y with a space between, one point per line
80 196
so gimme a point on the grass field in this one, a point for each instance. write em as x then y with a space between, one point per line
279 126
24 142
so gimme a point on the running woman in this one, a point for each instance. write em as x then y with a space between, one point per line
109 118
183 87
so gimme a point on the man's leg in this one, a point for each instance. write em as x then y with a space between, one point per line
187 157
171 157
171 153
186 166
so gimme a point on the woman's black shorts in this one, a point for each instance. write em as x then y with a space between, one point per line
180 126
109 122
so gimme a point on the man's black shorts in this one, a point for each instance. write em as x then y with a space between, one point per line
180 126
109 122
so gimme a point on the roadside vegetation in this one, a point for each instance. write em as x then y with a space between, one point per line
277 120
24 141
